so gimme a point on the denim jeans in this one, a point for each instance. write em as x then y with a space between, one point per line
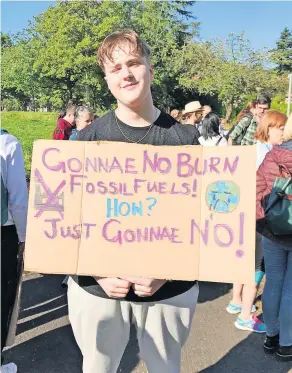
277 295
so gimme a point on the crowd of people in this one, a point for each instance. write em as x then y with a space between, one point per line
161 310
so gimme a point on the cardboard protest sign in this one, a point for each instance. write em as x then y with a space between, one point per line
119 209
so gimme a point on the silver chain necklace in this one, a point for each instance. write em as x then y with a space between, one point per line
136 142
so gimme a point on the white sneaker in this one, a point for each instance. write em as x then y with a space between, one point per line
9 368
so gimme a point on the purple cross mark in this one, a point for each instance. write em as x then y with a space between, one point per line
52 197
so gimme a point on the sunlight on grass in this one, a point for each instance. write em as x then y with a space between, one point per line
28 127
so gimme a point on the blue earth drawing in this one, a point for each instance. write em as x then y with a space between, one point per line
222 196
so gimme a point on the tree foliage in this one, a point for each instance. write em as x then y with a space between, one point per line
54 60
229 69
63 42
6 40
282 55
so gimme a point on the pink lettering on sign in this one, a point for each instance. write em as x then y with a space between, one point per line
73 164
116 166
161 164
227 229
214 162
132 187
205 230
111 233
59 167
186 166
204 233
130 167
74 183
73 232
231 167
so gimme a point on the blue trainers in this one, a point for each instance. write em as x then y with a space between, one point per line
252 325
236 308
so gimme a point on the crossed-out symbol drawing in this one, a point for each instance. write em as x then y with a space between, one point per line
52 202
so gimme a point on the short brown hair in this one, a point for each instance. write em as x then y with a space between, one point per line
120 38
271 119
246 111
70 109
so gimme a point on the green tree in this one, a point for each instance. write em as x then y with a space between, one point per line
229 69
6 40
282 55
64 40
19 80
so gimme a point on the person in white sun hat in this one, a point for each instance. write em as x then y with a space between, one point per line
193 113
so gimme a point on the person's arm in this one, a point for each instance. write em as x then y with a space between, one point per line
239 128
249 136
261 188
17 190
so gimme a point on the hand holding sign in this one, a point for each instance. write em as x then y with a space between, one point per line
144 286
114 287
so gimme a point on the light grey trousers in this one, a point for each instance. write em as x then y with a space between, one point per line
102 328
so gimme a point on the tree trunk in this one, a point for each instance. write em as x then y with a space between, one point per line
229 108
87 94
69 85
70 91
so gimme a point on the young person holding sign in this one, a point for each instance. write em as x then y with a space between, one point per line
101 310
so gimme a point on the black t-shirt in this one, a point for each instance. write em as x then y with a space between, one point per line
165 131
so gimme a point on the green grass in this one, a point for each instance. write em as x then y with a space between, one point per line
28 127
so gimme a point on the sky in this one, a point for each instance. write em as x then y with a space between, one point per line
262 21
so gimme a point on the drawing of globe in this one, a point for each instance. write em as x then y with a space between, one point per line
222 196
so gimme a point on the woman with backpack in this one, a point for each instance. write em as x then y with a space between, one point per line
274 222
210 135
269 134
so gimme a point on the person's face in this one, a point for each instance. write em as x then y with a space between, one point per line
83 120
70 118
260 110
275 135
198 116
128 77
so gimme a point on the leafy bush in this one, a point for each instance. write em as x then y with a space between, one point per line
278 103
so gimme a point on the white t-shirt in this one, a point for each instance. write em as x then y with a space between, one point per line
262 149
212 141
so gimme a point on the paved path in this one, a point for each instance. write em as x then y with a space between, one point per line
45 343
